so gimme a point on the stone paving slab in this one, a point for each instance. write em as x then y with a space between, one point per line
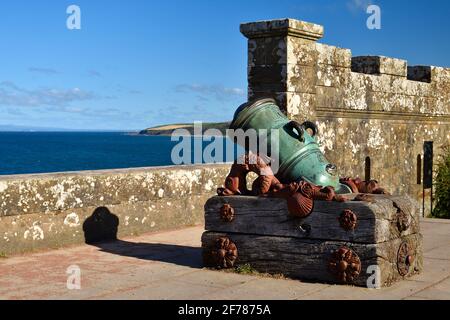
167 265
440 290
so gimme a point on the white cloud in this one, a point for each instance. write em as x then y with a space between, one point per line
218 91
46 71
13 95
357 5
110 113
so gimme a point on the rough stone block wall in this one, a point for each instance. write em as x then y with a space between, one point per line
49 210
365 107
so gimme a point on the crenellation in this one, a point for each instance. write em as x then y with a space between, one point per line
419 73
366 65
441 78
379 65
334 56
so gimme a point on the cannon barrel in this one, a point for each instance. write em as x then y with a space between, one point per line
299 155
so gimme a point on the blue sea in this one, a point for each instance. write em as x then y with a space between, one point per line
42 152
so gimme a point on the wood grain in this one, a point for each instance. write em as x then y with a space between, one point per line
308 259
377 222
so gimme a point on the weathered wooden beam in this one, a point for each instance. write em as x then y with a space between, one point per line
310 259
385 218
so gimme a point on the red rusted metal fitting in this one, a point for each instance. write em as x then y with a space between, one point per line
306 189
345 265
227 213
350 183
367 186
340 198
348 220
225 253
299 205
257 164
284 191
264 184
324 194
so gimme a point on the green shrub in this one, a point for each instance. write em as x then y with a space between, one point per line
442 185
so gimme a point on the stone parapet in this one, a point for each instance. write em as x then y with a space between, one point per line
50 210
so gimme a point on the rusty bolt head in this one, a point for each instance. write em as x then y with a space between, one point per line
348 220
409 260
227 213
342 266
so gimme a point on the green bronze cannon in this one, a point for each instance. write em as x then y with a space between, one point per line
299 155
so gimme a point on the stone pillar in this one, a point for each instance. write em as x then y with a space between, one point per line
282 59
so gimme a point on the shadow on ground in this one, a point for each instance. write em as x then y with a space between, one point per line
100 230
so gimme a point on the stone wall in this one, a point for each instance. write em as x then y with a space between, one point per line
365 107
49 210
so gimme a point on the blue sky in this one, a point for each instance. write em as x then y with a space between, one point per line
139 63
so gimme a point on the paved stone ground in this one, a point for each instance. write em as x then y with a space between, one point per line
168 266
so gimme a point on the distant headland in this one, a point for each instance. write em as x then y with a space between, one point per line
167 130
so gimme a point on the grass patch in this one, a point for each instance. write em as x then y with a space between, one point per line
245 269
3 255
